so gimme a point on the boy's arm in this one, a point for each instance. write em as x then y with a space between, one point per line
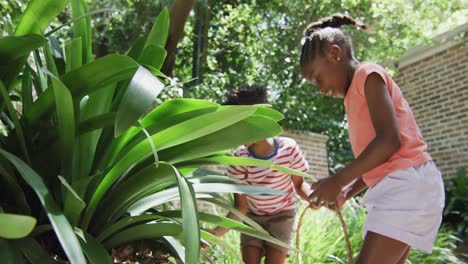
303 190
302 187
240 203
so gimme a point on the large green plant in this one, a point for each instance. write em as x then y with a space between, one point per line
83 162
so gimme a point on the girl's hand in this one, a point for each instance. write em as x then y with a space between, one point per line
325 191
340 201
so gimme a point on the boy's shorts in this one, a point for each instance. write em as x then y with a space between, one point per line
407 205
280 226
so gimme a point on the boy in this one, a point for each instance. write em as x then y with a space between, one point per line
276 214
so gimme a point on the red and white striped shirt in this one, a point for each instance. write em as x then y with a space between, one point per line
287 153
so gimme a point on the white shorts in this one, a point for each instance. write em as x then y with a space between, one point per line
407 205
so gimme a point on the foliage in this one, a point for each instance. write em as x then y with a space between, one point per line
322 238
456 199
83 162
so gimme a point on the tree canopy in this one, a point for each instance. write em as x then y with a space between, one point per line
233 42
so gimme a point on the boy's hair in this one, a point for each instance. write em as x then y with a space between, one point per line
327 30
247 95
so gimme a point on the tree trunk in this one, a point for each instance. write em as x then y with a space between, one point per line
200 42
179 13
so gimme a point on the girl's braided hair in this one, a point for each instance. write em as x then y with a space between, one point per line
327 30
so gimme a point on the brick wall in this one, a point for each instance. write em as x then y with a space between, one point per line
435 83
314 148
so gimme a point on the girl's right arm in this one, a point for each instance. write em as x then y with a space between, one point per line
356 188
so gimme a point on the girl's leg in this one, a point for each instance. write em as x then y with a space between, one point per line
404 257
251 254
381 249
274 256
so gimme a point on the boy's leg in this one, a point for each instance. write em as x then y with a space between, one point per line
274 255
381 249
251 254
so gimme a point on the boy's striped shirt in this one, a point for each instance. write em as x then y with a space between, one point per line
287 153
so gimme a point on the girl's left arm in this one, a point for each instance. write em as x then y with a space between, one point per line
385 143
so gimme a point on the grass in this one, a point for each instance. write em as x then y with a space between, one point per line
322 238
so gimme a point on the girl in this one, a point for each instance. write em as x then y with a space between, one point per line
406 194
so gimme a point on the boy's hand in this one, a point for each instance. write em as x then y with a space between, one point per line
325 192
204 243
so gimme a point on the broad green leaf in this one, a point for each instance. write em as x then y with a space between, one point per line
251 129
51 66
146 182
41 73
137 48
200 126
167 114
171 193
38 15
10 253
134 188
99 73
73 54
94 112
14 117
41 229
154 230
153 148
239 161
214 240
153 55
155 71
62 227
190 223
84 16
178 134
269 112
81 29
13 55
219 221
177 248
141 92
66 125
160 30
262 110
236 212
214 179
96 122
176 107
85 80
94 251
73 205
13 48
230 224
26 90
33 251
87 44
16 226
125 222
9 182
